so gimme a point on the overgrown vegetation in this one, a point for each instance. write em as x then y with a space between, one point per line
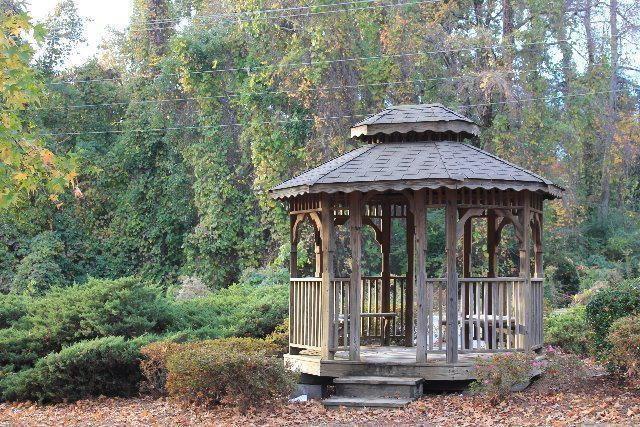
133 186
85 340
242 371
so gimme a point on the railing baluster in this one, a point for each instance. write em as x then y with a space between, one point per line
485 306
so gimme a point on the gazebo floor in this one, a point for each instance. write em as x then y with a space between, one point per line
386 361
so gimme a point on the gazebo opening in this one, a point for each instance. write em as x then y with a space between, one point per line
427 287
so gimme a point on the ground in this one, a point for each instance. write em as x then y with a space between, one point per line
594 400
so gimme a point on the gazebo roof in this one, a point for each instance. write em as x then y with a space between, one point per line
415 165
415 118
421 157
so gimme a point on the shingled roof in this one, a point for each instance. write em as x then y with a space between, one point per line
415 118
415 165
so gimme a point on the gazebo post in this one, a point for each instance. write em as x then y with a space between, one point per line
386 273
318 251
355 295
328 306
491 243
451 222
293 260
408 306
467 242
539 267
419 206
525 267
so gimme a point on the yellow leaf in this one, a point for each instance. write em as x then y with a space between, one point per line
20 176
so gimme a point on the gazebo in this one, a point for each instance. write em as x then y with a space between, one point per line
414 158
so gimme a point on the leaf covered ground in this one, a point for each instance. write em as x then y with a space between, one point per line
594 400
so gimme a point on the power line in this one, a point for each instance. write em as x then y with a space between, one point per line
284 91
231 17
354 116
331 61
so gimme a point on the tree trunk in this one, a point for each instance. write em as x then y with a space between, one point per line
611 112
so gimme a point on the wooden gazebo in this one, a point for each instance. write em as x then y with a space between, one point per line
414 158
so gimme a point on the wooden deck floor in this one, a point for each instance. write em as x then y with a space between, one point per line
386 361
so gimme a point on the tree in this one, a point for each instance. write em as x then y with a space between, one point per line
27 165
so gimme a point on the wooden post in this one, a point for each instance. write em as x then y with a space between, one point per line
293 261
328 306
452 276
355 227
318 251
539 267
491 243
491 272
467 242
419 201
408 306
386 273
525 268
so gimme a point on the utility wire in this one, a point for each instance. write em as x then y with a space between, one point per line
194 127
285 91
297 65
199 20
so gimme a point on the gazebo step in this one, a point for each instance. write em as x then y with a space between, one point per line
376 386
365 402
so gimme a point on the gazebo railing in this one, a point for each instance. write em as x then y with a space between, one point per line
305 312
372 325
491 313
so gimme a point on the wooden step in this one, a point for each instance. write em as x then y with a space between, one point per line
378 380
365 402
375 386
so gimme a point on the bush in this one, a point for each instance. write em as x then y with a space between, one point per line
497 375
239 310
106 366
568 329
40 269
156 355
624 357
125 307
567 280
12 308
561 370
280 337
153 367
237 371
609 305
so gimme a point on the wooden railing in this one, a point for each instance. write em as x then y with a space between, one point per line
305 313
491 313
372 326
537 307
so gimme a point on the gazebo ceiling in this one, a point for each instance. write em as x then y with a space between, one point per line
415 118
414 165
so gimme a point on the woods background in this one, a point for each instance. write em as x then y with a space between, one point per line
175 131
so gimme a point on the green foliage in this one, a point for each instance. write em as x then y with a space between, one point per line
237 371
12 308
28 166
609 305
497 375
568 329
624 357
106 366
567 280
125 307
40 269
240 310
